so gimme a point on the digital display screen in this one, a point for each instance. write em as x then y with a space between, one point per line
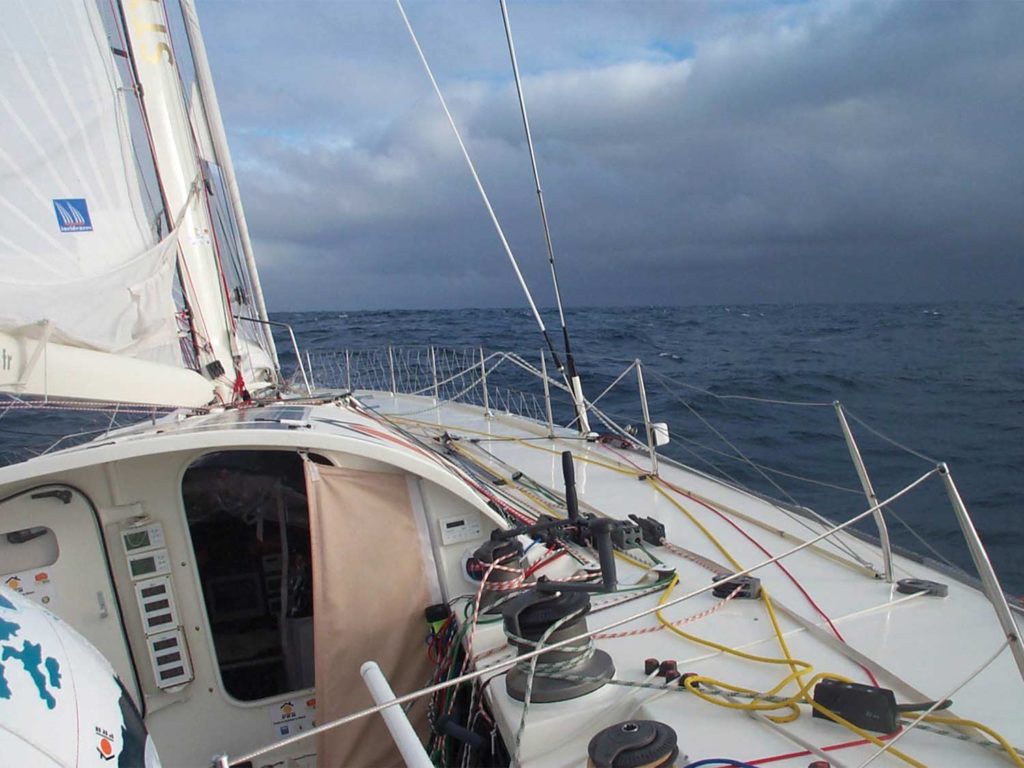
172 672
143 565
163 645
156 621
136 540
455 524
154 591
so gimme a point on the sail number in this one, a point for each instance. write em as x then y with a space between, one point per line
151 31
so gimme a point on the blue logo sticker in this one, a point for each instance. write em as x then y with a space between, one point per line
72 215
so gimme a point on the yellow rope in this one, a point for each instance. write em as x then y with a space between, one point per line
1010 751
797 667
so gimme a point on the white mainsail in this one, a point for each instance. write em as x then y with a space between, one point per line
78 250
88 264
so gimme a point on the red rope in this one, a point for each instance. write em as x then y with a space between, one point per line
756 543
784 569
829 748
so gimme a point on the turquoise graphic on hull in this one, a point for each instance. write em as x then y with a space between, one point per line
31 657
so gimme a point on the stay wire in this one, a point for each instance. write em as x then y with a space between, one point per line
663 381
483 192
569 360
886 438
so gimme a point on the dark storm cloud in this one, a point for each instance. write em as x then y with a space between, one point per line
689 152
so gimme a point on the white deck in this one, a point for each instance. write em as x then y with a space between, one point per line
920 646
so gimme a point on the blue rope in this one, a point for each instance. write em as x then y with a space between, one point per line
720 761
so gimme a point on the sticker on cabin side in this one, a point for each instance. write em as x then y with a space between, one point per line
35 585
72 214
292 716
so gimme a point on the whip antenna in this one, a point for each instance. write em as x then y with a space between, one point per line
480 187
573 378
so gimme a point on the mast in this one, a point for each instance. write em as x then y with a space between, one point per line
184 189
211 108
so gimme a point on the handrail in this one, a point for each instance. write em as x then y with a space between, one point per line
295 345
869 491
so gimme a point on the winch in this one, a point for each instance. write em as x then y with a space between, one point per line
633 744
537 619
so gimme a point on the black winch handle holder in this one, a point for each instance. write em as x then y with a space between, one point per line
572 507
596 529
572 504
601 534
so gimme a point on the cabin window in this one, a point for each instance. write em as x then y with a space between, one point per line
23 552
249 522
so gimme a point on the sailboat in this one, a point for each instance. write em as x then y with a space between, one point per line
390 559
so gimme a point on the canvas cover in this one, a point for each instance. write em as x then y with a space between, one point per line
370 586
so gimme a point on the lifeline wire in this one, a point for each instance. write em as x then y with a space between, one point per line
889 440
938 703
480 187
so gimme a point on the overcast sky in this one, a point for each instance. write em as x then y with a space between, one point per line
690 152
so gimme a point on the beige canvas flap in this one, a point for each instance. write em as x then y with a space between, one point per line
369 592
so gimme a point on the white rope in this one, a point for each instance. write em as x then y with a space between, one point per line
889 440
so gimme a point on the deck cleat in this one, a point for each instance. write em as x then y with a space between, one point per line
750 587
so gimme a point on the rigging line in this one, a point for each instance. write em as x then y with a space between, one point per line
483 192
744 457
750 398
252 755
923 542
773 470
938 703
238 383
724 439
121 26
765 467
608 389
569 360
222 157
889 440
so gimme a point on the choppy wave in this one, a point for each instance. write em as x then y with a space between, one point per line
945 380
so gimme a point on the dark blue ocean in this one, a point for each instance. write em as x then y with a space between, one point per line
945 380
